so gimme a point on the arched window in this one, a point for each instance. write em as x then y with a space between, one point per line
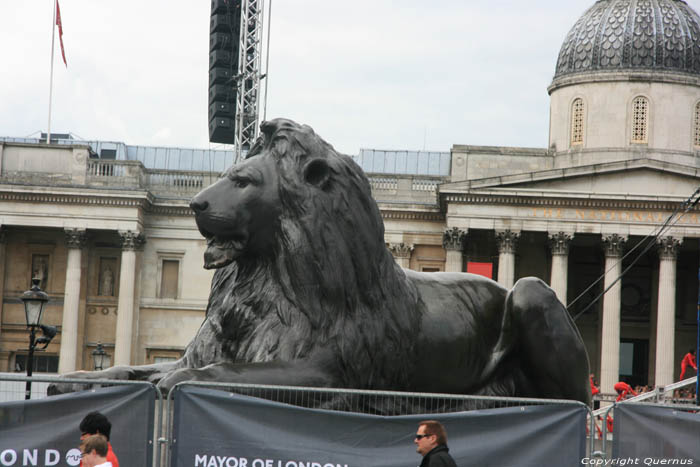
577 116
696 126
640 119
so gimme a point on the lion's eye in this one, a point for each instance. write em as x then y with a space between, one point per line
241 182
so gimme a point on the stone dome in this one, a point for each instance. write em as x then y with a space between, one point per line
633 35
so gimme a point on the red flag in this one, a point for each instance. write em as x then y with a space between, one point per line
482 269
60 32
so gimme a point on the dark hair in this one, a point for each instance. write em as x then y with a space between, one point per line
96 423
691 351
433 427
95 443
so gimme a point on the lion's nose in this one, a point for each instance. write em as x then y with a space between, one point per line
199 206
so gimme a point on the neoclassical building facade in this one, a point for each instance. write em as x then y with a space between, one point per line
115 247
107 228
622 159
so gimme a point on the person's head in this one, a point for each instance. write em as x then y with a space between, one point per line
95 423
691 351
94 450
430 434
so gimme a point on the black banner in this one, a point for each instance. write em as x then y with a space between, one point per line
45 432
218 429
655 435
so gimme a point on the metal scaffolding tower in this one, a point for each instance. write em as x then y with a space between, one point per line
249 75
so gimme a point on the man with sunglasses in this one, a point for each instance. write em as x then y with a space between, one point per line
431 443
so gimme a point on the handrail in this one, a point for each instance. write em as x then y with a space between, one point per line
654 394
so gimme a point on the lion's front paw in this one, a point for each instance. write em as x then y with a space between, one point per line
171 379
59 387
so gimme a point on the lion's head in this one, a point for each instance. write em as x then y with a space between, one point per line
298 244
239 215
291 177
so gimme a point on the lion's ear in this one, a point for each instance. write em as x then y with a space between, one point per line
317 172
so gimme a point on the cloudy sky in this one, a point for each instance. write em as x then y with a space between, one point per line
364 73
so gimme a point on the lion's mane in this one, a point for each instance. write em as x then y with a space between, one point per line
330 283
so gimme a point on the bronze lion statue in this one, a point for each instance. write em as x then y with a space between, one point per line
306 293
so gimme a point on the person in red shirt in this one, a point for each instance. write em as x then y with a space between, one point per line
608 426
95 423
622 390
689 359
594 388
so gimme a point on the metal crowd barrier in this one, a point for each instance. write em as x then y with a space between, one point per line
12 387
605 452
8 393
365 402
347 400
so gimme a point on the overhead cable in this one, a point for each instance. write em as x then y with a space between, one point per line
686 206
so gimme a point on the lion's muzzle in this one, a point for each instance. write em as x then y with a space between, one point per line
199 205
224 242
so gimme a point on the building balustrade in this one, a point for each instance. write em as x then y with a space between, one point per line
417 189
72 166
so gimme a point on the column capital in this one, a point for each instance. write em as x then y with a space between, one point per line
401 250
614 245
507 240
559 243
76 238
453 239
132 240
668 247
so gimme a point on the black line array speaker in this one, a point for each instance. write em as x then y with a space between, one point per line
224 31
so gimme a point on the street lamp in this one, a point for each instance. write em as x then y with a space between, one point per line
34 300
99 357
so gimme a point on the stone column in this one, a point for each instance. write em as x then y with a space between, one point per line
666 311
507 242
453 242
68 357
401 253
610 346
653 298
131 242
559 244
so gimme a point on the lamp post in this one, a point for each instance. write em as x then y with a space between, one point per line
34 300
99 357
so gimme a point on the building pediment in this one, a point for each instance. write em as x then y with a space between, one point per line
635 179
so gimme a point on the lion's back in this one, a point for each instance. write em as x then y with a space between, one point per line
468 302
443 290
461 317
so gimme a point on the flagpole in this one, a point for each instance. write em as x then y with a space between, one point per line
53 36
